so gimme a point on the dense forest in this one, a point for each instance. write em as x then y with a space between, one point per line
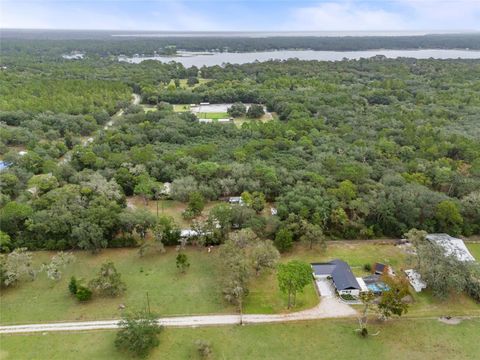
107 43
359 149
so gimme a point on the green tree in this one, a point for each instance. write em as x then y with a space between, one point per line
16 266
182 262
196 203
13 216
237 110
145 187
284 240
73 285
255 111
264 255
5 242
108 281
138 334
392 301
313 234
292 278
167 231
449 218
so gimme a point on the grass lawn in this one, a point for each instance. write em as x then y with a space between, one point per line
181 107
212 115
324 339
474 249
199 290
170 293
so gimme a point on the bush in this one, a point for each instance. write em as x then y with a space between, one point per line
204 348
83 293
367 267
73 286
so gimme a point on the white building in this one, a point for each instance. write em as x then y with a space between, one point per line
451 246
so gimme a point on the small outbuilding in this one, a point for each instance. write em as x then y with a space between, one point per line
415 280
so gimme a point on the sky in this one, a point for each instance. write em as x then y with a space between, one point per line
246 15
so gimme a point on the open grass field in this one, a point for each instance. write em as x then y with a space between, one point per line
212 115
407 339
196 292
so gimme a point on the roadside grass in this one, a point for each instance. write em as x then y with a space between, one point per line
406 339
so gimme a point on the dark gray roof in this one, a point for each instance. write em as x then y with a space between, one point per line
323 269
379 267
342 275
371 279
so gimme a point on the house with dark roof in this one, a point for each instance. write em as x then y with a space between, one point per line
340 273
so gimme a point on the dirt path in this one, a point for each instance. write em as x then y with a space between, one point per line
328 308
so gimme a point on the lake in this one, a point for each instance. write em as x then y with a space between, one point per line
210 59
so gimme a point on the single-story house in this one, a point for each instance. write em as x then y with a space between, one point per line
205 121
451 246
340 273
415 280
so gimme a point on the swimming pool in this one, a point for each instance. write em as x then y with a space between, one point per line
378 287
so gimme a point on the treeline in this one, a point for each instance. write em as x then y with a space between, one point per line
51 43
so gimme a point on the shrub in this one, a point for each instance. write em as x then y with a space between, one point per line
367 267
73 286
204 348
83 293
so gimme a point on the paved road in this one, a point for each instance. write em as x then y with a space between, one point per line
328 308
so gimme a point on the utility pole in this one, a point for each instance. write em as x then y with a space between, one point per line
148 304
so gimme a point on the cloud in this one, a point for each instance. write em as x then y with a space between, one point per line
104 15
397 15
345 16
